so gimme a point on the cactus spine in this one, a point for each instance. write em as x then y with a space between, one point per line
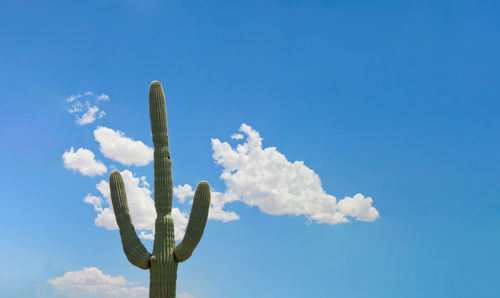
162 264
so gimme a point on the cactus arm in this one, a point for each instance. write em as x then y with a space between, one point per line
196 224
162 164
134 250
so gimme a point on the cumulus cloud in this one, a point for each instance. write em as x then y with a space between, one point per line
263 177
116 146
91 282
141 207
86 113
83 161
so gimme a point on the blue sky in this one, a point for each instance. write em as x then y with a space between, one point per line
395 100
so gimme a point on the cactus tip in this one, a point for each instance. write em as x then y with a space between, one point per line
155 84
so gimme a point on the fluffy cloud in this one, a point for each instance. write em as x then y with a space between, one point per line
91 282
263 177
183 191
83 161
91 112
116 146
141 207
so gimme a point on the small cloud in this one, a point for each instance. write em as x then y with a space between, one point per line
72 97
76 107
237 136
102 96
89 116
116 146
90 112
185 295
91 282
83 161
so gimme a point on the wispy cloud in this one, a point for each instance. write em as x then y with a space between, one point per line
102 96
90 115
72 97
83 161
91 282
86 113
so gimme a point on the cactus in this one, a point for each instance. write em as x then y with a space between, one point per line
162 264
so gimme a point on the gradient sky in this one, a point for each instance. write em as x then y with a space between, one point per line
396 100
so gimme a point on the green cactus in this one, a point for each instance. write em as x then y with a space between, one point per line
162 264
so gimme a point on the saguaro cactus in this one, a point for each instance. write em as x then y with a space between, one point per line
162 264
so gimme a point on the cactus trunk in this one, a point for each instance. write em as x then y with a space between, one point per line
163 271
162 264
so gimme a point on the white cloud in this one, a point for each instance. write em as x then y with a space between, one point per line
102 97
116 146
76 107
89 116
91 282
183 191
83 161
237 136
141 207
263 177
72 97
90 112
359 207
185 295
